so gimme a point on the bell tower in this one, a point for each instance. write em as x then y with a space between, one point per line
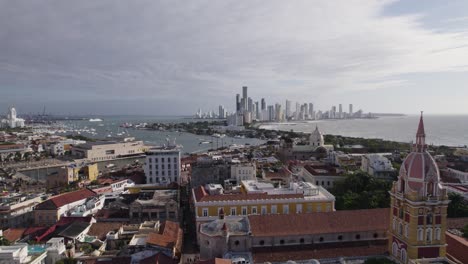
418 215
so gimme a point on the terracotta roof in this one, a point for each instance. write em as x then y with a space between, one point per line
320 223
202 196
214 261
100 229
159 258
169 236
14 234
457 247
64 199
283 254
457 223
281 173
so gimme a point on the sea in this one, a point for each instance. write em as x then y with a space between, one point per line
110 128
448 130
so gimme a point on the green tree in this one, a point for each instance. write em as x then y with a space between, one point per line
457 207
465 231
4 241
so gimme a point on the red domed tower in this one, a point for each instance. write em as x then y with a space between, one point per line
418 206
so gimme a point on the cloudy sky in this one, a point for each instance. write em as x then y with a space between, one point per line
172 57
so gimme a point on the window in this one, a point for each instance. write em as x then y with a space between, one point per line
169 166
262 243
264 210
301 241
273 209
406 230
298 208
253 209
403 255
175 179
150 167
285 209
340 237
358 236
220 210
175 160
420 234
429 234
376 235
157 179
321 239
319 208
309 208
233 211
162 159
244 210
150 180
282 242
169 173
175 173
429 219
400 229
437 234
236 242
328 209
205 212
150 160
156 160
110 152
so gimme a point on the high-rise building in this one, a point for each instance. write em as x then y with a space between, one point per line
250 105
311 109
263 104
340 115
288 109
222 112
278 112
350 110
271 113
418 204
244 92
238 103
243 105
306 111
257 111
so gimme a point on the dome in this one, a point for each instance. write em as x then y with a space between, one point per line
419 171
316 138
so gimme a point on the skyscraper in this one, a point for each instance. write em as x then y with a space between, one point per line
350 109
311 109
250 104
263 104
244 92
238 103
288 109
257 111
340 115
222 112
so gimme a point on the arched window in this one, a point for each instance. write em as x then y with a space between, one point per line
420 234
394 224
394 249
429 219
430 189
400 229
437 234
403 255
429 234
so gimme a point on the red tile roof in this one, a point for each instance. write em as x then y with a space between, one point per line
320 223
14 234
457 223
169 236
457 248
100 229
64 199
159 258
296 253
202 196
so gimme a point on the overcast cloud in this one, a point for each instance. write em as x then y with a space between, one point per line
171 57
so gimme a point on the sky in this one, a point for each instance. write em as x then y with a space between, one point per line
168 57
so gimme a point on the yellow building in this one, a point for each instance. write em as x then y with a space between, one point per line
260 198
73 173
418 215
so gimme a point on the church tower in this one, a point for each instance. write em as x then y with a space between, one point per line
418 206
316 138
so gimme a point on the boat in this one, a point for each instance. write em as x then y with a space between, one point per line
205 142
110 165
95 120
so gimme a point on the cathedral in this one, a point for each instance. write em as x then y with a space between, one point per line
12 121
418 207
315 148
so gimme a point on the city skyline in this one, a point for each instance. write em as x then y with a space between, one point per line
170 59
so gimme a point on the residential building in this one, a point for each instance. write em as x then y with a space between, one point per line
8 152
73 172
210 172
51 210
378 166
155 205
322 175
16 209
162 165
418 207
243 171
108 150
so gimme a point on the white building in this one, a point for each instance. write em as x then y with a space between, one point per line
377 166
12 120
162 165
242 172
108 150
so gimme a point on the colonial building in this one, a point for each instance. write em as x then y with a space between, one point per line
162 165
314 148
260 198
418 207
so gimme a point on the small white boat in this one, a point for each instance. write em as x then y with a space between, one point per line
95 120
